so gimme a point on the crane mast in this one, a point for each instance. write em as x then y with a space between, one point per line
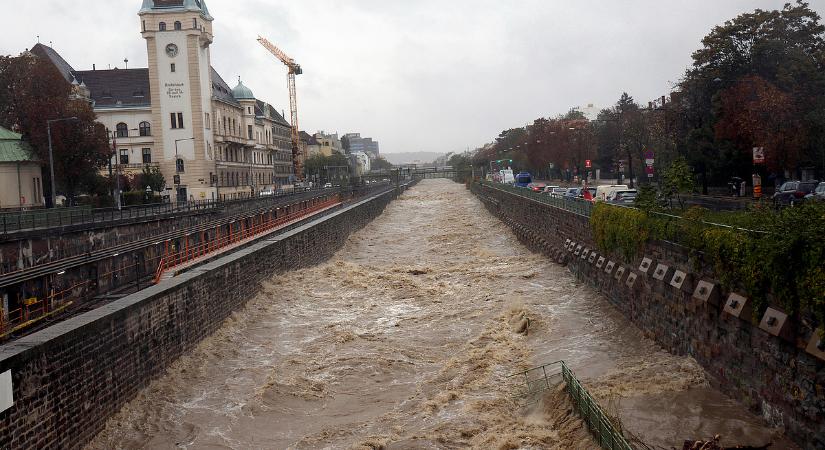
294 69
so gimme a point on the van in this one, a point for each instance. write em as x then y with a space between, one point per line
605 192
523 179
506 176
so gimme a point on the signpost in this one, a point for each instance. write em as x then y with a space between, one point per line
649 159
758 158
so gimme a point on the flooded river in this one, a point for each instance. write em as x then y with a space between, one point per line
405 339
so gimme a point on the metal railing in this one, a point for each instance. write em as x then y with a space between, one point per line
40 219
576 206
189 253
541 378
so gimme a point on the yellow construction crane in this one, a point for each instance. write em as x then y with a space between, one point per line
294 69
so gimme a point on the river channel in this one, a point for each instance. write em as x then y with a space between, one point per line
406 339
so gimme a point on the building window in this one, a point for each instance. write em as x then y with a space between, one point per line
249 131
177 25
147 156
179 165
124 156
122 130
172 67
208 125
177 120
195 23
249 110
162 26
144 26
145 129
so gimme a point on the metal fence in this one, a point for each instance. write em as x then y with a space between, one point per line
542 378
576 206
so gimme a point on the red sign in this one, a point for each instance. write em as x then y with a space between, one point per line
587 163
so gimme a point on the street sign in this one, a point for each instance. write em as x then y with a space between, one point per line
649 154
587 163
759 155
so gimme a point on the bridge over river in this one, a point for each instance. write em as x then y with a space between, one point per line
406 338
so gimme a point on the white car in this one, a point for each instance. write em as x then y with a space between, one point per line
327 185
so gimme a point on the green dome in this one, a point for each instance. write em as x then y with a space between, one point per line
242 92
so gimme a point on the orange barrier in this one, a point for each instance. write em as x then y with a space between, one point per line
188 253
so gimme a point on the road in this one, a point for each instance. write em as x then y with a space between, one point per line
405 339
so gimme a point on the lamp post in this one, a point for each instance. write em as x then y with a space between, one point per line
51 155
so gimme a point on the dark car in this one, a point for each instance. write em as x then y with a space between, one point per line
793 192
818 194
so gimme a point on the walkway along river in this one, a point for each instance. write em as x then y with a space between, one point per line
405 339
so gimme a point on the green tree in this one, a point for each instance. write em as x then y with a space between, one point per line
677 179
380 163
32 91
152 177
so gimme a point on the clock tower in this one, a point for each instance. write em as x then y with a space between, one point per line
178 34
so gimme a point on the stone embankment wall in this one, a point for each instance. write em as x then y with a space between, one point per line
774 367
67 380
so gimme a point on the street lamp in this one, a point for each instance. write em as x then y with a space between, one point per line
51 156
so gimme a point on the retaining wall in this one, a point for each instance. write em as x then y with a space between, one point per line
70 378
773 367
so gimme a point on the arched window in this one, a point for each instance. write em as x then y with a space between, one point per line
145 129
122 130
162 26
177 25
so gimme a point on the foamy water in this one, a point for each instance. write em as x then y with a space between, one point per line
406 339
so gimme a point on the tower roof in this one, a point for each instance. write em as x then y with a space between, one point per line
241 92
180 5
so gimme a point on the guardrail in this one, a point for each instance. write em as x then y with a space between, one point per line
542 378
576 206
185 255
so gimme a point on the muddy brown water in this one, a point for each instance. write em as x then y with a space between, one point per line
405 339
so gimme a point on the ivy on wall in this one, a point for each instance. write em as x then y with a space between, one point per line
776 255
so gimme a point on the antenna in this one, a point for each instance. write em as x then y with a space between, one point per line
126 61
38 38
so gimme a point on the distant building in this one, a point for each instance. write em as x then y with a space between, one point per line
361 162
590 112
21 180
362 144
328 143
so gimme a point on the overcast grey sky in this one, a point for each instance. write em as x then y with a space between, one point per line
430 75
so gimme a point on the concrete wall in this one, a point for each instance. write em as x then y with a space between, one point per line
781 377
68 379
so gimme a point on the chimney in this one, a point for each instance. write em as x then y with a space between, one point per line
650 105
93 67
663 100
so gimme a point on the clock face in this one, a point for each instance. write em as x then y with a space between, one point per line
172 50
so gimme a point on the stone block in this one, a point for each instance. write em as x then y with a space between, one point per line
572 247
776 323
646 266
585 253
631 280
661 272
816 345
706 292
592 257
578 250
679 280
600 262
609 267
619 273
566 243
737 306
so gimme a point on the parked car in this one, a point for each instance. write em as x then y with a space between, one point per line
536 187
605 192
523 179
558 192
627 197
818 194
573 193
327 185
549 188
793 192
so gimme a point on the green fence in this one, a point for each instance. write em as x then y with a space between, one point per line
542 378
576 206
